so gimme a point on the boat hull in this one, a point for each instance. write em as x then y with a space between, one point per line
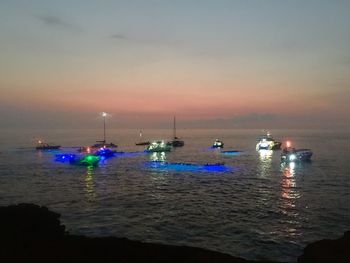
302 155
176 143
269 146
49 147
142 143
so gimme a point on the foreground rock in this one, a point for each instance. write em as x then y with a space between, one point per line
328 251
30 233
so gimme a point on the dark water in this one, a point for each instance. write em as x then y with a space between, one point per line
259 210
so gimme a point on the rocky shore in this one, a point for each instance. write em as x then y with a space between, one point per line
30 233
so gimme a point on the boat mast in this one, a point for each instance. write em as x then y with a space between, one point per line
104 130
104 115
174 129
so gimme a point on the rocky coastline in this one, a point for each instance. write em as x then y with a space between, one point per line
32 233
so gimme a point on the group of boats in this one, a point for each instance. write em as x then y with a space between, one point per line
289 154
91 155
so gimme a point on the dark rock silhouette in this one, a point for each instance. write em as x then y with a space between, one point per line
328 251
30 233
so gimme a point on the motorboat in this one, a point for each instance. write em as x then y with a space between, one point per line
218 144
158 146
290 154
45 146
97 146
268 143
175 142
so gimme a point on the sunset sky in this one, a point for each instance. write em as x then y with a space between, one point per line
211 63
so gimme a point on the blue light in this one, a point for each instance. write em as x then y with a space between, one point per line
66 157
105 152
189 167
231 153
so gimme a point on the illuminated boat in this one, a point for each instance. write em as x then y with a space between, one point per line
296 155
105 152
290 154
175 142
218 144
158 146
45 146
87 160
268 143
103 143
96 147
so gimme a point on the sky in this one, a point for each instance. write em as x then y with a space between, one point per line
213 64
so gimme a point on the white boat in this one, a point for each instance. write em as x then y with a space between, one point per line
158 146
268 143
218 144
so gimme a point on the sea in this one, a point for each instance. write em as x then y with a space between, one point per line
258 208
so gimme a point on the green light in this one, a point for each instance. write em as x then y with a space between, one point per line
90 160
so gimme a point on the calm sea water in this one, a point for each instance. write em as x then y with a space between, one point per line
259 210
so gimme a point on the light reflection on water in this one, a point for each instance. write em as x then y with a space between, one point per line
265 158
289 199
90 184
157 156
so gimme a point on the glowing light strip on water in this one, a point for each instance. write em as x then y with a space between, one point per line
231 153
189 167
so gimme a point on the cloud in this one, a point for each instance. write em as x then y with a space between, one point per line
57 22
118 36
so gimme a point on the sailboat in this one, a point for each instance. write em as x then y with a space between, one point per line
99 144
103 143
176 142
141 142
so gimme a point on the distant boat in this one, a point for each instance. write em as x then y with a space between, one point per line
290 154
158 146
268 143
175 142
45 146
218 144
99 144
141 142
103 143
